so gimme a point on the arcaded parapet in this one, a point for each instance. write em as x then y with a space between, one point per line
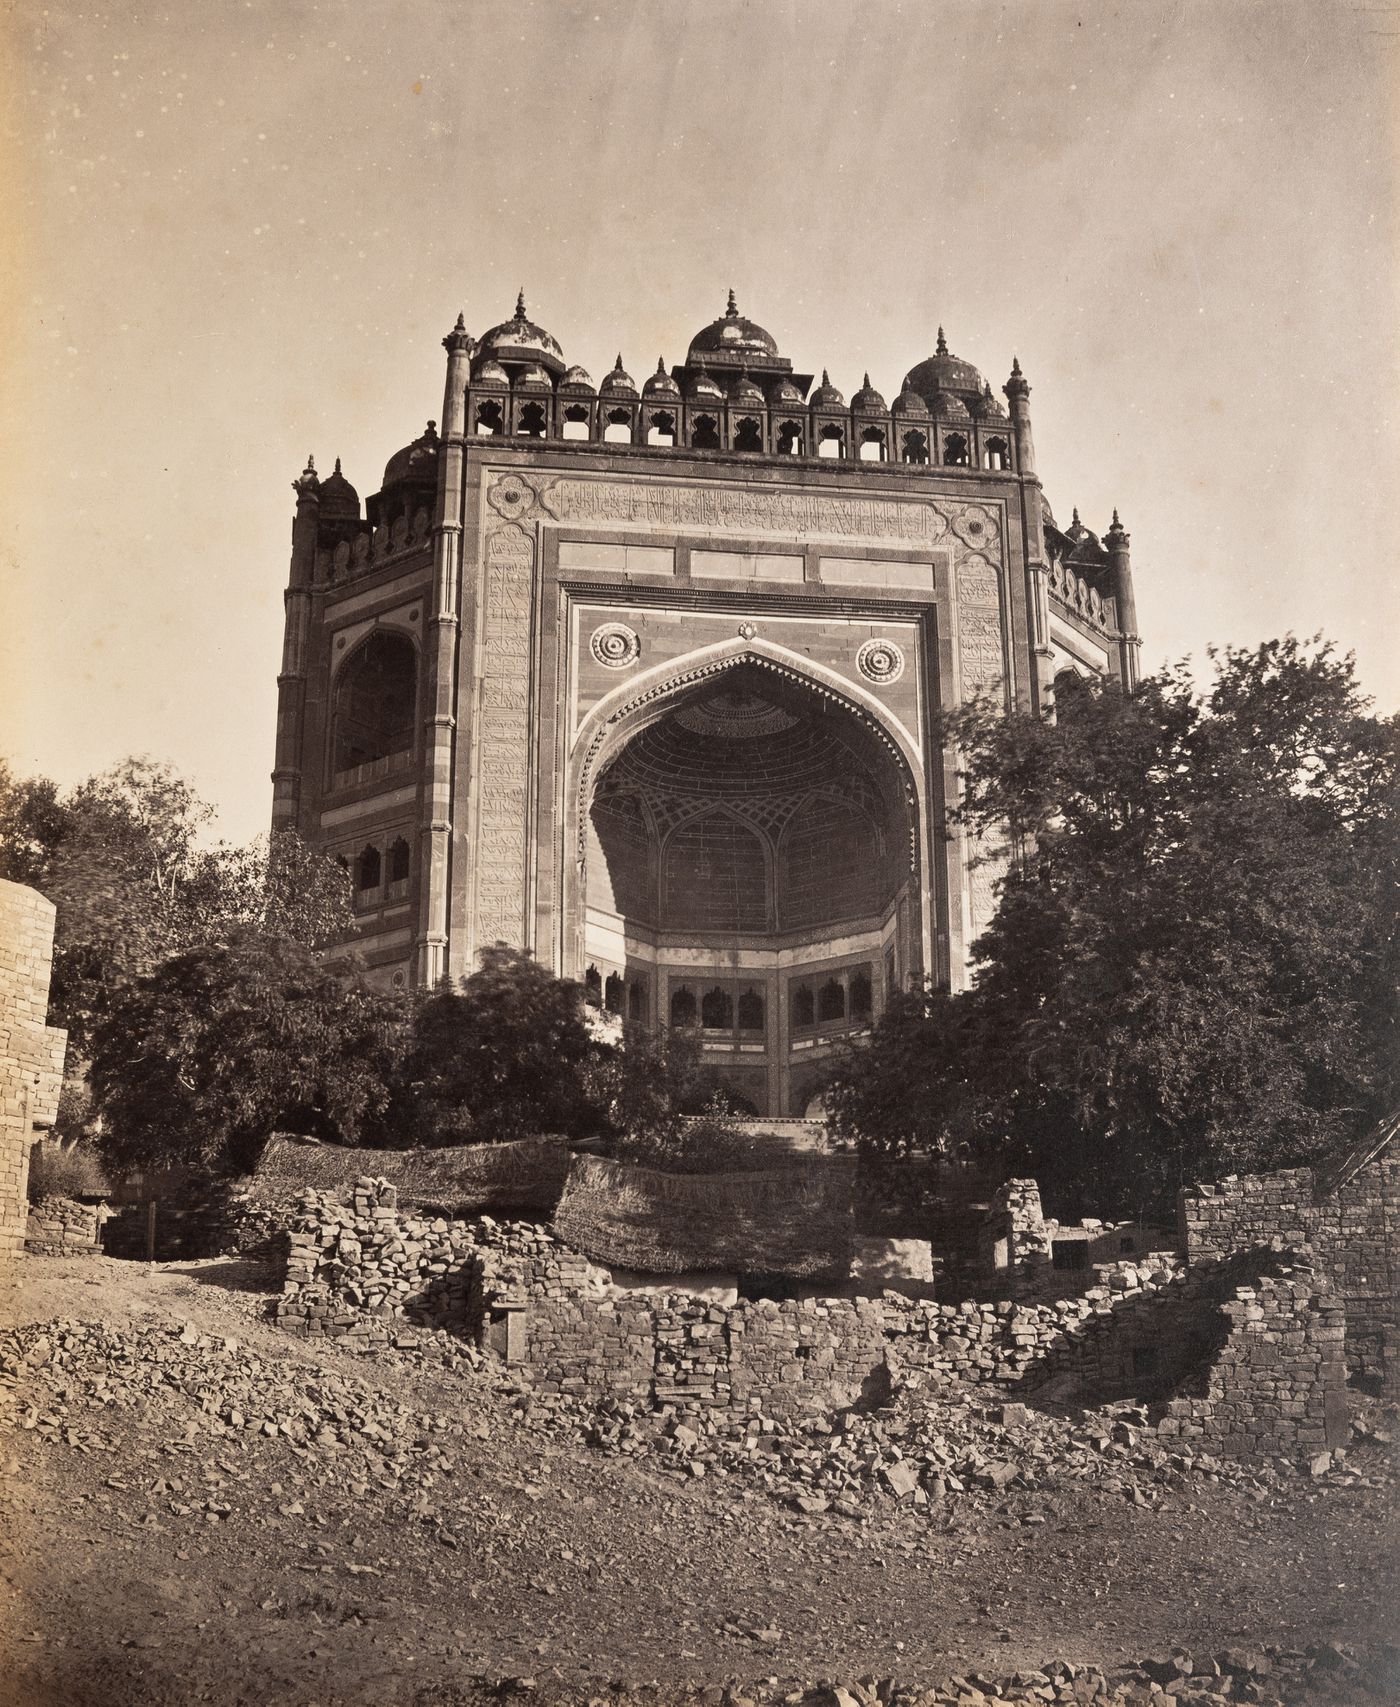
31 1050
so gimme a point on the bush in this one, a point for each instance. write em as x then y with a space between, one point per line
710 1143
506 1055
55 1171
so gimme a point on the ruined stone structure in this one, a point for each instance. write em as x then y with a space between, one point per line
31 1050
1243 1355
644 678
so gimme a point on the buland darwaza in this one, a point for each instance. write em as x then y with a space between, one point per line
643 679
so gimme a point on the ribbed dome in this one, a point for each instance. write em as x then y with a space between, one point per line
991 405
868 401
577 379
734 335
746 392
910 403
950 406
619 382
827 396
704 389
415 463
533 378
520 340
944 372
785 395
490 373
661 384
339 499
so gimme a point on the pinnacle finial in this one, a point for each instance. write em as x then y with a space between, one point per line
661 366
1015 367
941 348
1115 522
732 310
617 365
865 383
461 325
1074 519
826 377
337 469
310 463
520 304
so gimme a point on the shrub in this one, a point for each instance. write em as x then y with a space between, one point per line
59 1171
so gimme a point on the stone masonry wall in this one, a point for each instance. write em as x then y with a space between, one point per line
1277 1387
1354 1231
63 1227
358 1269
31 1051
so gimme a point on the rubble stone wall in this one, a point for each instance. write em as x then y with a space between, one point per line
63 1227
1354 1230
1277 1386
358 1269
31 1050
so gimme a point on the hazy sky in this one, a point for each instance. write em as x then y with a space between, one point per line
244 229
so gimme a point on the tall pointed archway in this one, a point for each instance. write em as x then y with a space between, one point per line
749 842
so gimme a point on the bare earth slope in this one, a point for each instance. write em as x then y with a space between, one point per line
197 1508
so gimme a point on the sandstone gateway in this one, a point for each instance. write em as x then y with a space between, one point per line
644 679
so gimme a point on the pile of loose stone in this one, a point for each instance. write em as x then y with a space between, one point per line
931 1443
1269 1677
62 1379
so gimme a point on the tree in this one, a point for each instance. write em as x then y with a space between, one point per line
123 858
505 1055
200 1059
1193 965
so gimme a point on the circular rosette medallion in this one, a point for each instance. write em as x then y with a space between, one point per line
511 497
615 645
880 661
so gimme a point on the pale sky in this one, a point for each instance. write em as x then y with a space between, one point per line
243 230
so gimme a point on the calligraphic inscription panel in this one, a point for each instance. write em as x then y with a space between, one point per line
503 737
721 509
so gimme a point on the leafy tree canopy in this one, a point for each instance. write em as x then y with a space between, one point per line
1193 965
124 858
201 1058
504 1055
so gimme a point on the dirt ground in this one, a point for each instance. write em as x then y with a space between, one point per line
155 1555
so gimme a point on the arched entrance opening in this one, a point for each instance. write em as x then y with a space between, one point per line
750 874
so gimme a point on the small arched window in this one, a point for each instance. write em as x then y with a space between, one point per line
831 1001
532 421
955 450
872 445
683 1007
803 1007
618 430
637 1000
750 1011
593 987
613 993
374 703
575 421
860 996
996 454
662 429
398 863
790 439
704 433
915 448
717 1010
489 421
831 441
748 435
368 867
